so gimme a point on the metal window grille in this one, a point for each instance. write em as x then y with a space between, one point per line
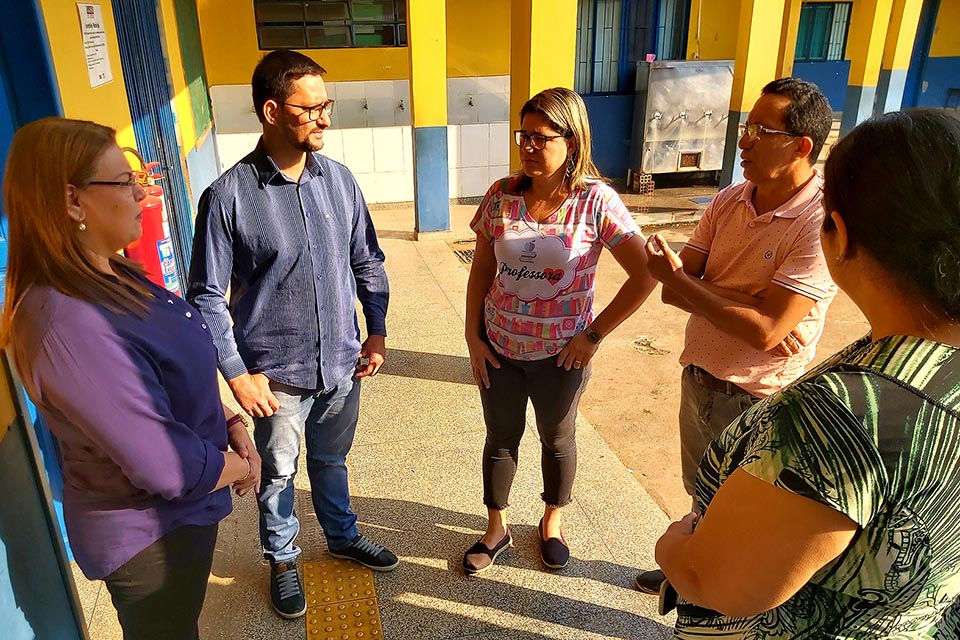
325 24
822 33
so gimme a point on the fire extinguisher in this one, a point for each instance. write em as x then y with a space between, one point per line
154 249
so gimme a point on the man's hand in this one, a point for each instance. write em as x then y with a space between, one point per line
372 354
662 262
252 391
239 440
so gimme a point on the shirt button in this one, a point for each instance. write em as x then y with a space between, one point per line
319 276
204 326
188 314
752 224
169 300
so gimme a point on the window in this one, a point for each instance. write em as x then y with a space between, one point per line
822 34
325 24
612 35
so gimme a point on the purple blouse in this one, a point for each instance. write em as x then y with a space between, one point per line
135 405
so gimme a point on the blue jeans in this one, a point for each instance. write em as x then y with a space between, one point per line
328 419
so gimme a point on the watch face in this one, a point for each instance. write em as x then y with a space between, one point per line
593 336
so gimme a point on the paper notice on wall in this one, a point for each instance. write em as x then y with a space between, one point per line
95 44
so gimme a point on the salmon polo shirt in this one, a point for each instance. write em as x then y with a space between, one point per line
751 253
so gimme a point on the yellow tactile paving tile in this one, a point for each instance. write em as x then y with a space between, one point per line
341 601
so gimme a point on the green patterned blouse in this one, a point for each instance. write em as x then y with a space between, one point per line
874 432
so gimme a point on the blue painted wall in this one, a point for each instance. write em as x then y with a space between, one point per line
938 76
830 76
611 123
431 179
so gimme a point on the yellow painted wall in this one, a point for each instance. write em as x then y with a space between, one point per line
946 31
718 22
478 38
107 104
229 35
181 94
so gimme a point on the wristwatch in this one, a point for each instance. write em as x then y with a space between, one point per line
593 335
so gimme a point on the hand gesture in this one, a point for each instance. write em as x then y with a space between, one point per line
480 355
792 344
252 392
577 353
239 440
372 356
662 262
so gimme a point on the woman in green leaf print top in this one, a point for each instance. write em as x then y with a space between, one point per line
832 509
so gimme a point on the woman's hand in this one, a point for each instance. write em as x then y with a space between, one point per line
577 353
239 440
480 355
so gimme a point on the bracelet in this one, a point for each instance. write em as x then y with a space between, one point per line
237 418
249 470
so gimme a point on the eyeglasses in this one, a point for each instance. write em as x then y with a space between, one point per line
754 130
314 112
535 140
136 178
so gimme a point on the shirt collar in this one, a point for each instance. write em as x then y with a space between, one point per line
268 171
793 207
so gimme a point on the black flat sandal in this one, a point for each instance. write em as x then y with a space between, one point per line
480 557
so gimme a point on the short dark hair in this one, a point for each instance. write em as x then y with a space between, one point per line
895 180
275 74
809 113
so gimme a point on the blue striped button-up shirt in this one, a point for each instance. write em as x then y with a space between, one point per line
296 256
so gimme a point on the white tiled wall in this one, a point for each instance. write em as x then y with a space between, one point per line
370 133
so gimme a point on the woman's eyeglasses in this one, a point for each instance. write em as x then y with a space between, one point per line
535 140
136 178
314 112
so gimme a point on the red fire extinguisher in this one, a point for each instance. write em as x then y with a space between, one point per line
154 249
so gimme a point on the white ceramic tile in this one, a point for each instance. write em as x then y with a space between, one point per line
401 115
333 144
407 134
460 114
351 114
387 149
499 171
231 92
358 150
453 176
491 107
407 186
401 90
474 181
351 90
390 186
331 88
380 112
453 146
231 147
493 84
500 143
462 86
376 89
233 110
368 186
474 145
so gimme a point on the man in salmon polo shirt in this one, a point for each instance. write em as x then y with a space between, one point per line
752 275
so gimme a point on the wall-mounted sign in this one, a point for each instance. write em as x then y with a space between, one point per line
94 44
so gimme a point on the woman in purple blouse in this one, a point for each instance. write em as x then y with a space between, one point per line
124 373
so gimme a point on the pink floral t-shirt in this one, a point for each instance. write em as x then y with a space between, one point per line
542 294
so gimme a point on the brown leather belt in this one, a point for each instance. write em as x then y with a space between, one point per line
711 382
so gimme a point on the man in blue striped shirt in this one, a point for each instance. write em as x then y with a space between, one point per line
288 231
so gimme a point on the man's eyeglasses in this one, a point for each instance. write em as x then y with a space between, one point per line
314 112
136 178
535 140
754 131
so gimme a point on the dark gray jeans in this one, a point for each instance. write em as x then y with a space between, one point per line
555 394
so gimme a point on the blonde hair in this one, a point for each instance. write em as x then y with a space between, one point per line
567 114
46 156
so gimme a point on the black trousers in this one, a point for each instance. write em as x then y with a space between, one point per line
555 394
158 594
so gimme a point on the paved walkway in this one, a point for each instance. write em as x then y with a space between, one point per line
415 478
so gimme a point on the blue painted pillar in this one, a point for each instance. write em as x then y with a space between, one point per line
868 30
904 22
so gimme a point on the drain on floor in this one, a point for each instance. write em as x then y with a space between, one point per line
464 249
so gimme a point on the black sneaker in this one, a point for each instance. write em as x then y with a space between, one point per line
368 553
285 590
650 582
